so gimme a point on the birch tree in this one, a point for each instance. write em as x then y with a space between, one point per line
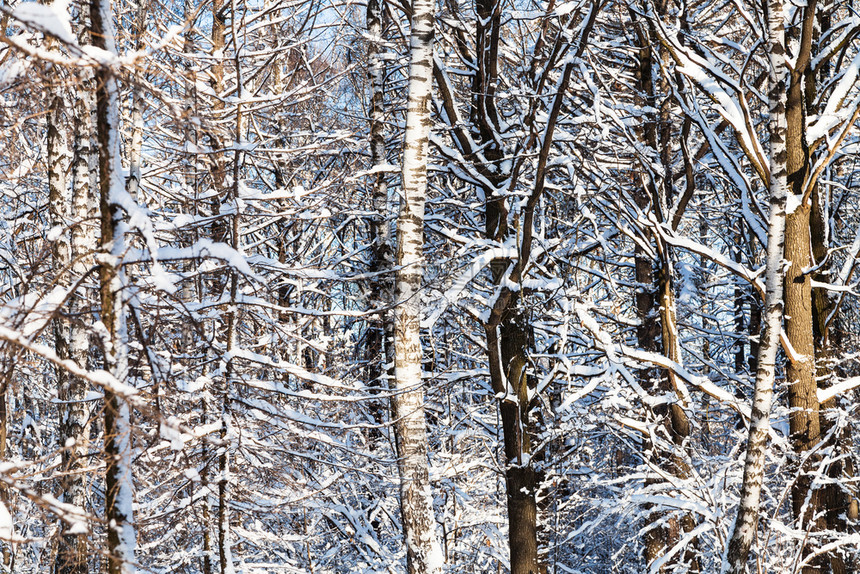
746 522
69 205
423 553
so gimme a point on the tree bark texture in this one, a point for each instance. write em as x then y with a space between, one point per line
73 552
802 305
423 552
746 522
507 339
117 448
72 555
225 553
378 351
655 295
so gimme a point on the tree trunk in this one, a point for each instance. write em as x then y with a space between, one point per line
74 422
423 553
839 498
655 297
225 553
378 352
136 140
117 432
800 372
6 370
746 522
73 553
507 339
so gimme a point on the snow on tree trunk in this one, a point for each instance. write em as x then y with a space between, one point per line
423 553
746 522
378 343
801 376
225 552
655 301
112 194
507 337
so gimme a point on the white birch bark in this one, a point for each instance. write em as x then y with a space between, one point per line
746 523
423 553
376 74
73 552
72 555
74 415
136 140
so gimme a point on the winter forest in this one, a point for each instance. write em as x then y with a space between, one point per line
429 286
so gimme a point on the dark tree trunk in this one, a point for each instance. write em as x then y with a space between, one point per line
117 448
380 331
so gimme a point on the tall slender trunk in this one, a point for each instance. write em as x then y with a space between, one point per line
508 346
801 373
136 140
72 549
378 352
746 522
6 367
58 205
225 554
192 289
423 553
117 430
655 297
839 498
73 553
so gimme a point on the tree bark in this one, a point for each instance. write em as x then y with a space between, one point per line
117 431
655 294
839 499
73 553
225 553
800 304
136 139
378 351
746 522
507 337
74 423
423 553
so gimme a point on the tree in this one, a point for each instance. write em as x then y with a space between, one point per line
113 199
423 554
567 327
